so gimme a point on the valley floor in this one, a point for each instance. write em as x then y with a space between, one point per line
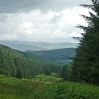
45 87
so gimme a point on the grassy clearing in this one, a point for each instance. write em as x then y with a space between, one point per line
12 88
54 77
46 88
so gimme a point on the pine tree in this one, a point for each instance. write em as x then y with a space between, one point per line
1 62
66 72
19 74
86 62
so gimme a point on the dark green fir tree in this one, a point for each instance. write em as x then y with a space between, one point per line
86 62
19 74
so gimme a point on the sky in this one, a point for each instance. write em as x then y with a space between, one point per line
41 20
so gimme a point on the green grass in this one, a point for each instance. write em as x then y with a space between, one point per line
12 88
48 87
54 77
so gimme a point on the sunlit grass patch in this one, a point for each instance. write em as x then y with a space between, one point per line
54 77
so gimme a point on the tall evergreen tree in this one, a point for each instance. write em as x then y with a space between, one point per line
86 62
66 72
19 74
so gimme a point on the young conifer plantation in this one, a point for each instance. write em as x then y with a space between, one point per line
15 64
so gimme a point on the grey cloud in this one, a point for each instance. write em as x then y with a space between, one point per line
54 19
11 6
3 18
11 25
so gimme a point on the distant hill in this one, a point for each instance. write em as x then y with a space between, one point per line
59 55
39 58
20 45
37 46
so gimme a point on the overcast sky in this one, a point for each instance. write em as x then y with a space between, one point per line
41 20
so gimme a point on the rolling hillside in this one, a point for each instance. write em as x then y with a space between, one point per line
61 56
58 54
21 65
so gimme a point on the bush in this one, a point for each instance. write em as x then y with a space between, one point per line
70 90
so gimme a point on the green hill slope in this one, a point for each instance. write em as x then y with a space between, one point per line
59 55
37 57
15 63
